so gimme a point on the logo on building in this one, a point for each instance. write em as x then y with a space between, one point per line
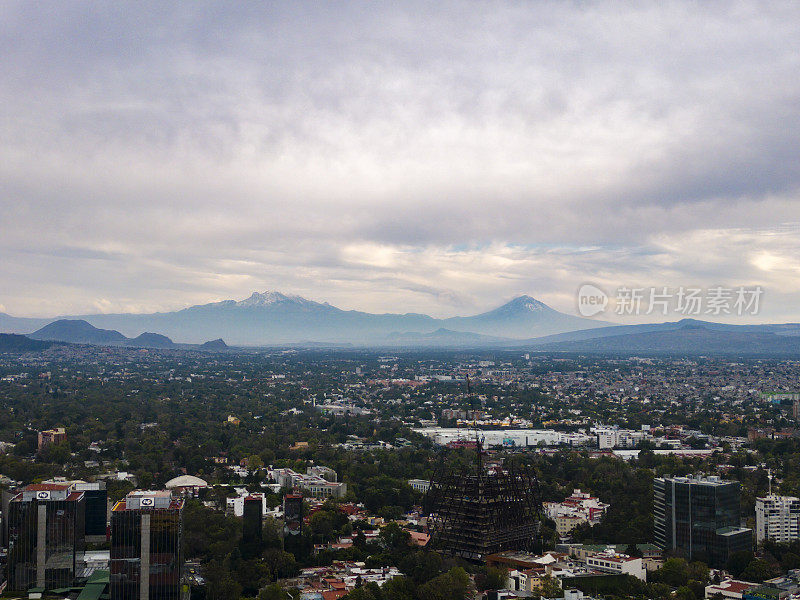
43 495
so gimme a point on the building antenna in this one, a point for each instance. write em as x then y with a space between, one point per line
478 442
769 478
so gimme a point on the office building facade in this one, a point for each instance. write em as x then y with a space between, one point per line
699 518
46 537
253 519
96 499
292 514
777 519
146 557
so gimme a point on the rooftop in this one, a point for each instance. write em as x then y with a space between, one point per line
711 480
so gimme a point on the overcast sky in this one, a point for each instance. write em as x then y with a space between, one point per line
433 157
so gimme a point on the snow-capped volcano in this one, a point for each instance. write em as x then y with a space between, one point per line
271 298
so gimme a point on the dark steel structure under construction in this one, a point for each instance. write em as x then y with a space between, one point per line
476 510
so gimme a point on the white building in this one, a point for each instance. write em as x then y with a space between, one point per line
310 482
777 518
420 485
520 438
578 508
614 437
730 588
620 564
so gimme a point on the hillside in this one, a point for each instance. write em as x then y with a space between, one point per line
689 339
13 343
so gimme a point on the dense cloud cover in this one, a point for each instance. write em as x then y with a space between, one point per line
395 156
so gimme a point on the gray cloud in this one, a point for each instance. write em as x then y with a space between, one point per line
394 156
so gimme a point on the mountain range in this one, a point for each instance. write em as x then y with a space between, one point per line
688 337
273 318
78 331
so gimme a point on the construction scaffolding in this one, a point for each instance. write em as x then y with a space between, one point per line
476 511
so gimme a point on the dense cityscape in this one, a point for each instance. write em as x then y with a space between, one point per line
412 300
322 473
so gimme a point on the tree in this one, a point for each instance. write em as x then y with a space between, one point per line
371 591
273 592
790 560
394 538
549 588
251 575
399 588
490 578
674 572
220 585
684 593
738 562
421 566
447 586
758 570
659 591
698 571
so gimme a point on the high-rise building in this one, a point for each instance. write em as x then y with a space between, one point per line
46 537
146 558
96 498
699 518
253 519
292 538
777 519
292 514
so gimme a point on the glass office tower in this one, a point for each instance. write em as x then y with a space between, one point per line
146 557
699 518
46 542
96 498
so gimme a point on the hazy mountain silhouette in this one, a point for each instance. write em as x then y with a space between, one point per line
78 331
689 338
214 345
11 342
274 318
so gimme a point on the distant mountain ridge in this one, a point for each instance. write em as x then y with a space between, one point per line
273 318
14 343
689 338
217 345
78 331
276 318
443 337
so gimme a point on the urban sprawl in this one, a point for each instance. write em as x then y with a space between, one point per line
418 475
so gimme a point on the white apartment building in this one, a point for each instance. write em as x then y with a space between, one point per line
578 508
777 518
614 437
609 562
520 438
310 482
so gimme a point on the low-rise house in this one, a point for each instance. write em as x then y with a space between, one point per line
730 588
